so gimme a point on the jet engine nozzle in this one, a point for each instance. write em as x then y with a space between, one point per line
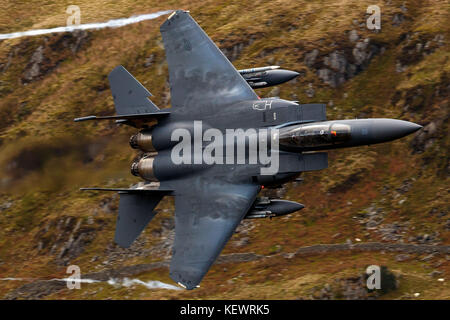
142 140
144 168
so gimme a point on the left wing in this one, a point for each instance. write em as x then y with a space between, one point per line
199 73
205 219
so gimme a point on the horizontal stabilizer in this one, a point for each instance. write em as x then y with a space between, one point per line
135 212
142 116
126 190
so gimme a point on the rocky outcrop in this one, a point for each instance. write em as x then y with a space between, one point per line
353 56
350 288
415 46
233 50
392 231
432 238
426 137
33 69
371 217
6 205
342 64
242 233
355 287
51 52
65 237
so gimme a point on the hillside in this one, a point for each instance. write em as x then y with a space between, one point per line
393 195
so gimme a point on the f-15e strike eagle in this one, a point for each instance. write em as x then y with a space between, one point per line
218 145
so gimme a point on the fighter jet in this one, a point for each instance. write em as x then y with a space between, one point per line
217 146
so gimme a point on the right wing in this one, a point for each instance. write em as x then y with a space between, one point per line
199 73
206 216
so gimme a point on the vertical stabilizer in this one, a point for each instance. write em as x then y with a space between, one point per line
130 96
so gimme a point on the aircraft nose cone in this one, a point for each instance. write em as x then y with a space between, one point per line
390 129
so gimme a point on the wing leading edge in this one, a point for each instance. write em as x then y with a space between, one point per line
205 219
199 73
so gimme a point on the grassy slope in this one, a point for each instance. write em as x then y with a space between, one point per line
35 123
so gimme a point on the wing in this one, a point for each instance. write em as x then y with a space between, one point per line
205 219
199 73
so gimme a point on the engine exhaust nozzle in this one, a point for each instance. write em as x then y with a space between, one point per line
142 140
144 168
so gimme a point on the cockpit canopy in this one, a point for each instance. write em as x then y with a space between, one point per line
314 135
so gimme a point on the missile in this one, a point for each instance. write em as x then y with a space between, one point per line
268 208
267 76
260 69
343 133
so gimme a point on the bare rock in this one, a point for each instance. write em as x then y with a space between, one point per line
327 76
310 58
241 242
398 19
148 62
336 61
405 186
425 137
402 257
399 68
432 238
351 288
245 227
65 237
168 224
33 70
435 273
353 36
109 205
338 66
51 52
275 92
233 52
5 205
392 231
